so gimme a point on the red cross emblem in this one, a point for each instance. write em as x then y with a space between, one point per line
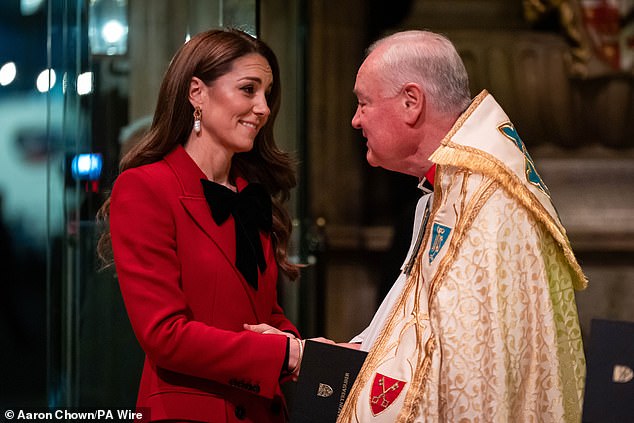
384 392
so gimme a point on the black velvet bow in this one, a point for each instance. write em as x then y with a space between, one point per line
251 210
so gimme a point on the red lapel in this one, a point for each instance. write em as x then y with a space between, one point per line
193 200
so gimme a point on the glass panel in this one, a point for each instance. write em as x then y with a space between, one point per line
287 41
93 358
69 194
24 146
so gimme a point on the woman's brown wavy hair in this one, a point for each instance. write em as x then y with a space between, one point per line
208 56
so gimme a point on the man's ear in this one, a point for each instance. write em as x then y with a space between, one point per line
413 101
196 91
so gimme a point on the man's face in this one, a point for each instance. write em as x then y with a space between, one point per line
379 116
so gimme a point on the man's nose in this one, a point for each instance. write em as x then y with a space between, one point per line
356 121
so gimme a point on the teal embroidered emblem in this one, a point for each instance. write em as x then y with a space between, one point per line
508 130
439 234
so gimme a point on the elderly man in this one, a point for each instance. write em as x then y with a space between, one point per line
481 325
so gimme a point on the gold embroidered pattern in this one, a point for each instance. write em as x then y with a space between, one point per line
415 392
462 156
510 307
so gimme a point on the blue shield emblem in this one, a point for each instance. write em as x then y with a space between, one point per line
439 234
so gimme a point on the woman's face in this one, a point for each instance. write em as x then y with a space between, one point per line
235 106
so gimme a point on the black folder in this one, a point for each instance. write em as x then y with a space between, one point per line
326 377
609 393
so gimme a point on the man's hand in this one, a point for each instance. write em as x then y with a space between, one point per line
355 346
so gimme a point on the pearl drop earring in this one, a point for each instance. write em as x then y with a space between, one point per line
198 113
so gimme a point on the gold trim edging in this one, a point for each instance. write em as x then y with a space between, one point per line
410 409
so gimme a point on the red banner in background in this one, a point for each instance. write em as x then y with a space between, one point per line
610 27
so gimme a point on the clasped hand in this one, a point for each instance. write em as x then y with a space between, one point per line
296 349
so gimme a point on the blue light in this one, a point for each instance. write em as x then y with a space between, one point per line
86 167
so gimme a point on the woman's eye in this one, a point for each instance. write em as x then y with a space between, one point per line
249 89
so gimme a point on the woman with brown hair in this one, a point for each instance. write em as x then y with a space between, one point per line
198 231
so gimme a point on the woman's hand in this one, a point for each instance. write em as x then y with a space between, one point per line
266 329
296 346
296 353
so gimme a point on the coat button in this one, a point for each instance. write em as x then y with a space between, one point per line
240 412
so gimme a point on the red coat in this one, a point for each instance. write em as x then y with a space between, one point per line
187 301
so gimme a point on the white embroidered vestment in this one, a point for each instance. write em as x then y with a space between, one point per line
486 327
